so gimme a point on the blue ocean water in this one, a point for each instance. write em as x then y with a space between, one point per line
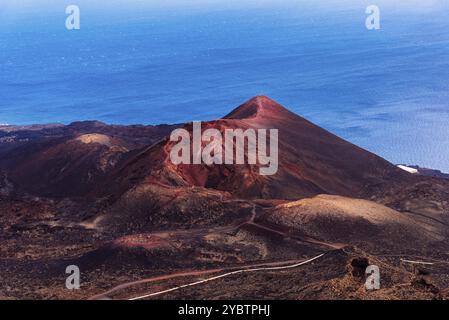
171 62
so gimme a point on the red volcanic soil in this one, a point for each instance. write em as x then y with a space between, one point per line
108 199
312 161
67 161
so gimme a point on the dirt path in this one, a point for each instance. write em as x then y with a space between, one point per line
227 275
300 239
279 265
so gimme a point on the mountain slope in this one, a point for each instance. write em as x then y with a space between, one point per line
312 161
353 221
68 161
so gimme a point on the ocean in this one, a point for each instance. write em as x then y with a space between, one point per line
159 62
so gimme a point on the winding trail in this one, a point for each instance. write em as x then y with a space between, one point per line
247 268
105 295
227 275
